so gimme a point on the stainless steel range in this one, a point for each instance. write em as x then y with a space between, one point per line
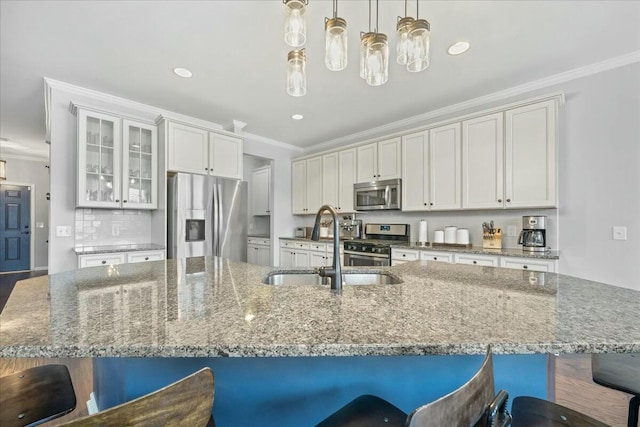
375 248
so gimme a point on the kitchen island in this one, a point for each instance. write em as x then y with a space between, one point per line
272 347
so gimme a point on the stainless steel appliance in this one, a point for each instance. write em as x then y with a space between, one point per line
533 234
375 248
377 195
206 216
350 229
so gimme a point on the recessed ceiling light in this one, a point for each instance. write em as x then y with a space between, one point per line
458 48
297 117
183 72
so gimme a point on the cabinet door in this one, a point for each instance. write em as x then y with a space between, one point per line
445 168
389 159
299 187
415 173
314 184
301 258
436 256
472 259
99 154
367 163
188 149
317 259
330 177
139 165
482 162
260 191
264 256
530 264
225 156
100 259
286 258
530 156
405 255
252 254
346 179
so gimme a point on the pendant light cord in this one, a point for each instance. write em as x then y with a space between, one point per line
376 16
417 6
369 15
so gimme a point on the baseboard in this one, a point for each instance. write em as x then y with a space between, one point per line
46 267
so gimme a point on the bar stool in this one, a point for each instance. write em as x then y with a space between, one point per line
533 412
474 403
36 395
620 372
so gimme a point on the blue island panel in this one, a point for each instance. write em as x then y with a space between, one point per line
301 391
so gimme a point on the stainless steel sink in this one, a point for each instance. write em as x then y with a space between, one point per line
306 278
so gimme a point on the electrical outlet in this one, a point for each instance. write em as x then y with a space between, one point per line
511 231
619 232
63 231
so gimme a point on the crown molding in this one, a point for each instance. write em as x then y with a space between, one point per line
598 67
265 140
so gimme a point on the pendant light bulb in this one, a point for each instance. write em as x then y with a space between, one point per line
335 57
295 27
364 42
403 40
418 53
296 73
377 60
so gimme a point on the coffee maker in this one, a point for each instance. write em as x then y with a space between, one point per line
533 234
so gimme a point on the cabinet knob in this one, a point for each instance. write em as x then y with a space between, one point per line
425 203
117 200
146 258
475 262
104 262
124 201
525 267
508 200
435 258
206 169
431 204
404 254
499 200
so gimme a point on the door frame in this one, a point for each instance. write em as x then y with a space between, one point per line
32 218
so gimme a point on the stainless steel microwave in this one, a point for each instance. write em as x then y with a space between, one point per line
377 195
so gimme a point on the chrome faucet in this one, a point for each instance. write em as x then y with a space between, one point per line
335 272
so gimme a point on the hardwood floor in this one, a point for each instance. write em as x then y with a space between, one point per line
574 386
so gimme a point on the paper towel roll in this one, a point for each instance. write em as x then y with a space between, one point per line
438 236
422 232
450 234
462 236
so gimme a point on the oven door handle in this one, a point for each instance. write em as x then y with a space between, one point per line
359 255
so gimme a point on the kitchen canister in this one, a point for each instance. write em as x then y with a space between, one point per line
438 236
462 236
450 234
422 232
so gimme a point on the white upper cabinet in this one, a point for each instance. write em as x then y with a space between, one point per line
139 165
431 169
225 156
530 156
482 162
346 179
314 184
196 150
117 162
299 187
261 191
188 149
379 160
338 176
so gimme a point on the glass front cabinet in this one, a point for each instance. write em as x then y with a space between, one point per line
117 162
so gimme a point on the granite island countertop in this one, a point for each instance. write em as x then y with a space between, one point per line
104 249
213 307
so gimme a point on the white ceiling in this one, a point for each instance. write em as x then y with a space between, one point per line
237 54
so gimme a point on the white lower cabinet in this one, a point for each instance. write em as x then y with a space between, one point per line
96 260
294 254
473 259
531 264
400 256
436 256
259 251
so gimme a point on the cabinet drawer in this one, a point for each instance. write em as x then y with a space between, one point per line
321 247
287 244
405 254
302 245
145 256
530 264
101 259
258 241
436 256
471 259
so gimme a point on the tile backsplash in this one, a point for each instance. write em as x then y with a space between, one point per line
98 227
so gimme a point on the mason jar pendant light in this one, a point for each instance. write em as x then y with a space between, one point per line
296 73
377 56
335 55
402 36
295 27
364 42
418 52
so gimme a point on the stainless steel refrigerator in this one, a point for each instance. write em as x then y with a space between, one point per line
206 216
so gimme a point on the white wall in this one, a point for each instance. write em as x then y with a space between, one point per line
36 173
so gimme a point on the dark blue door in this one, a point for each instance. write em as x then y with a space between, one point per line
15 229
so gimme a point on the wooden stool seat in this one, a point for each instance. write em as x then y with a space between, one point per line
36 395
620 372
534 412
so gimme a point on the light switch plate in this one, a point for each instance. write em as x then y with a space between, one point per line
619 232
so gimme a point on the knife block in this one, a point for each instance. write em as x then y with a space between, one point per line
492 240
